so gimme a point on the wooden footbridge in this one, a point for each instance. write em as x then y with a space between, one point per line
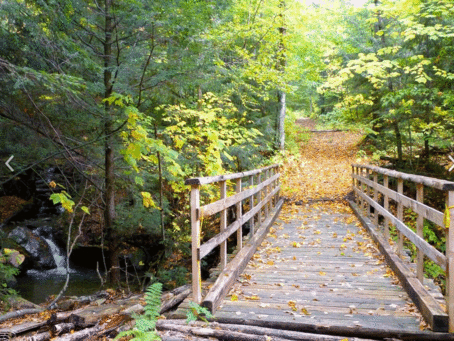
318 269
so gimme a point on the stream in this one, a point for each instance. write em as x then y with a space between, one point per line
34 228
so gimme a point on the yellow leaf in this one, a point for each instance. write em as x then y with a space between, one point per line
321 273
304 311
234 297
447 217
270 262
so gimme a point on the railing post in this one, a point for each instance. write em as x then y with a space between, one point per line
400 215
375 198
259 199
368 188
354 184
450 259
223 188
363 188
267 191
251 182
420 232
277 185
386 207
239 216
195 229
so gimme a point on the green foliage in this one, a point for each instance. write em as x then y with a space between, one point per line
399 83
197 312
9 262
145 329
295 136
174 277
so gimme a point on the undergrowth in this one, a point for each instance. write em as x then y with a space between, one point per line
145 329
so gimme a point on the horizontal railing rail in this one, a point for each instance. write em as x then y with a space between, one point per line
259 187
367 190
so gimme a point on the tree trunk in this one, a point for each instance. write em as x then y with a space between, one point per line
281 121
398 141
109 194
281 62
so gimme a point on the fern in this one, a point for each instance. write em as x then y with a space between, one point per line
145 329
196 312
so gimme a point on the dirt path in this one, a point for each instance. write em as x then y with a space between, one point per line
323 170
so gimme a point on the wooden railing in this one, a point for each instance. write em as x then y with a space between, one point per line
367 191
260 189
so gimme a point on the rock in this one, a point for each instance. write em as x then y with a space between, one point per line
36 247
44 231
18 303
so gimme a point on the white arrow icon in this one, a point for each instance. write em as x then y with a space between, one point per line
452 167
11 168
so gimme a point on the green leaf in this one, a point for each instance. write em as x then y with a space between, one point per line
85 209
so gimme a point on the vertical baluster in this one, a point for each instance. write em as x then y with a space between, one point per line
354 184
267 191
375 198
239 217
223 188
420 232
450 259
195 229
277 185
400 215
251 181
259 199
368 188
363 188
386 207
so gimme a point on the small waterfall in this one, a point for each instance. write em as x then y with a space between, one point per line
59 257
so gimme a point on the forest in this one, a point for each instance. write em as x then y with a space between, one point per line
108 106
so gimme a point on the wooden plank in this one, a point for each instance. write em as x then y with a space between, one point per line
428 212
386 206
239 216
450 265
225 177
223 244
375 196
226 279
195 237
221 237
222 204
420 243
428 306
322 327
400 217
259 199
251 204
443 185
420 232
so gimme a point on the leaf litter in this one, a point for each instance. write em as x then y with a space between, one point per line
315 185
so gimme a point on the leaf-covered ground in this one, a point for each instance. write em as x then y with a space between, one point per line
323 169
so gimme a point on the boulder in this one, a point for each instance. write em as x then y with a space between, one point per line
38 249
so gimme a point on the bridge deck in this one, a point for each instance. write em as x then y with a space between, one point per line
319 271
320 268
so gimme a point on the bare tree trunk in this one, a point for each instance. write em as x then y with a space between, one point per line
398 141
280 131
281 120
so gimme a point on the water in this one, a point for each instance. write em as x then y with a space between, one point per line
59 257
36 286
